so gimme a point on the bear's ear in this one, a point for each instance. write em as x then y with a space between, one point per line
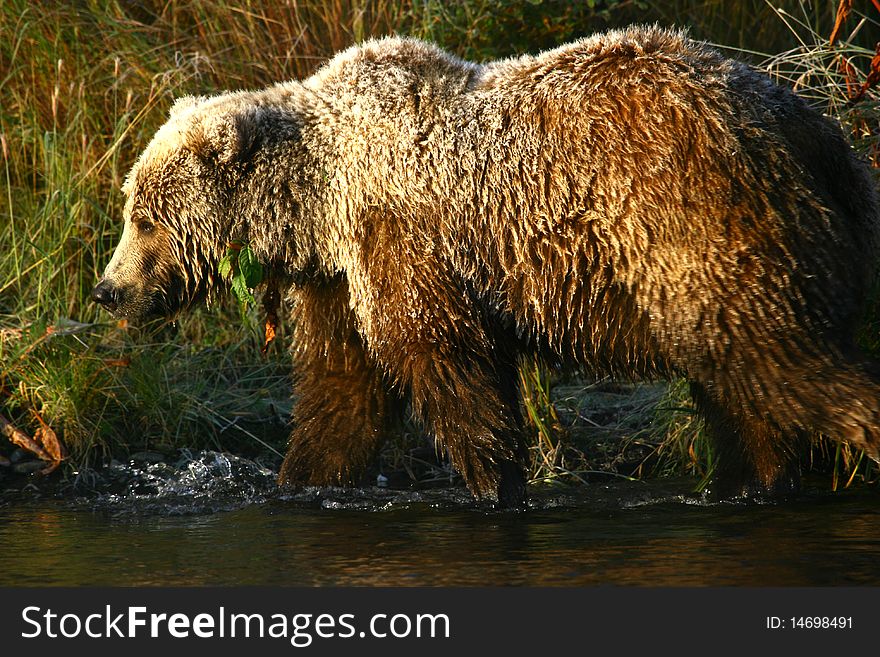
226 138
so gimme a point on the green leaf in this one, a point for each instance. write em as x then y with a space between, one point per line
225 266
241 291
250 268
241 267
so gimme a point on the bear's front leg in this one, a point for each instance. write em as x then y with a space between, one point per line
437 342
470 403
341 403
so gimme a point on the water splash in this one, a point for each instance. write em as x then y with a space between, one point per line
205 482
197 482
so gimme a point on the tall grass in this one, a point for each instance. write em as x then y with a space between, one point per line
83 86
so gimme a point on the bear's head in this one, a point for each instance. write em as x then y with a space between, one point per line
179 211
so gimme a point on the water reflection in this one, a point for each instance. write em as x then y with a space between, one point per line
438 539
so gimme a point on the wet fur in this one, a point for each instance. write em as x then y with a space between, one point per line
631 204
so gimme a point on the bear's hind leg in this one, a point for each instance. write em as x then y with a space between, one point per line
839 397
752 457
341 402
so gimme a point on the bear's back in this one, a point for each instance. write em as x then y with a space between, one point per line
389 68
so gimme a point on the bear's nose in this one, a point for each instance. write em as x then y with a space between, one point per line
104 294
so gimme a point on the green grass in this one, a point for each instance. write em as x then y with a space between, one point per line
83 86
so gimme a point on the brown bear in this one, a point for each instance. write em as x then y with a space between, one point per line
630 204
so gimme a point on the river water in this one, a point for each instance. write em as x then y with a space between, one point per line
213 519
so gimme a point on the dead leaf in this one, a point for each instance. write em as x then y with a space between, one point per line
46 436
271 302
873 75
843 11
271 324
850 76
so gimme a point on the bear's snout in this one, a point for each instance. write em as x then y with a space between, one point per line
105 295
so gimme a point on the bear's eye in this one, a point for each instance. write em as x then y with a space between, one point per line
145 226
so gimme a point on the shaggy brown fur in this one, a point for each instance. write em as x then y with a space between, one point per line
632 204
